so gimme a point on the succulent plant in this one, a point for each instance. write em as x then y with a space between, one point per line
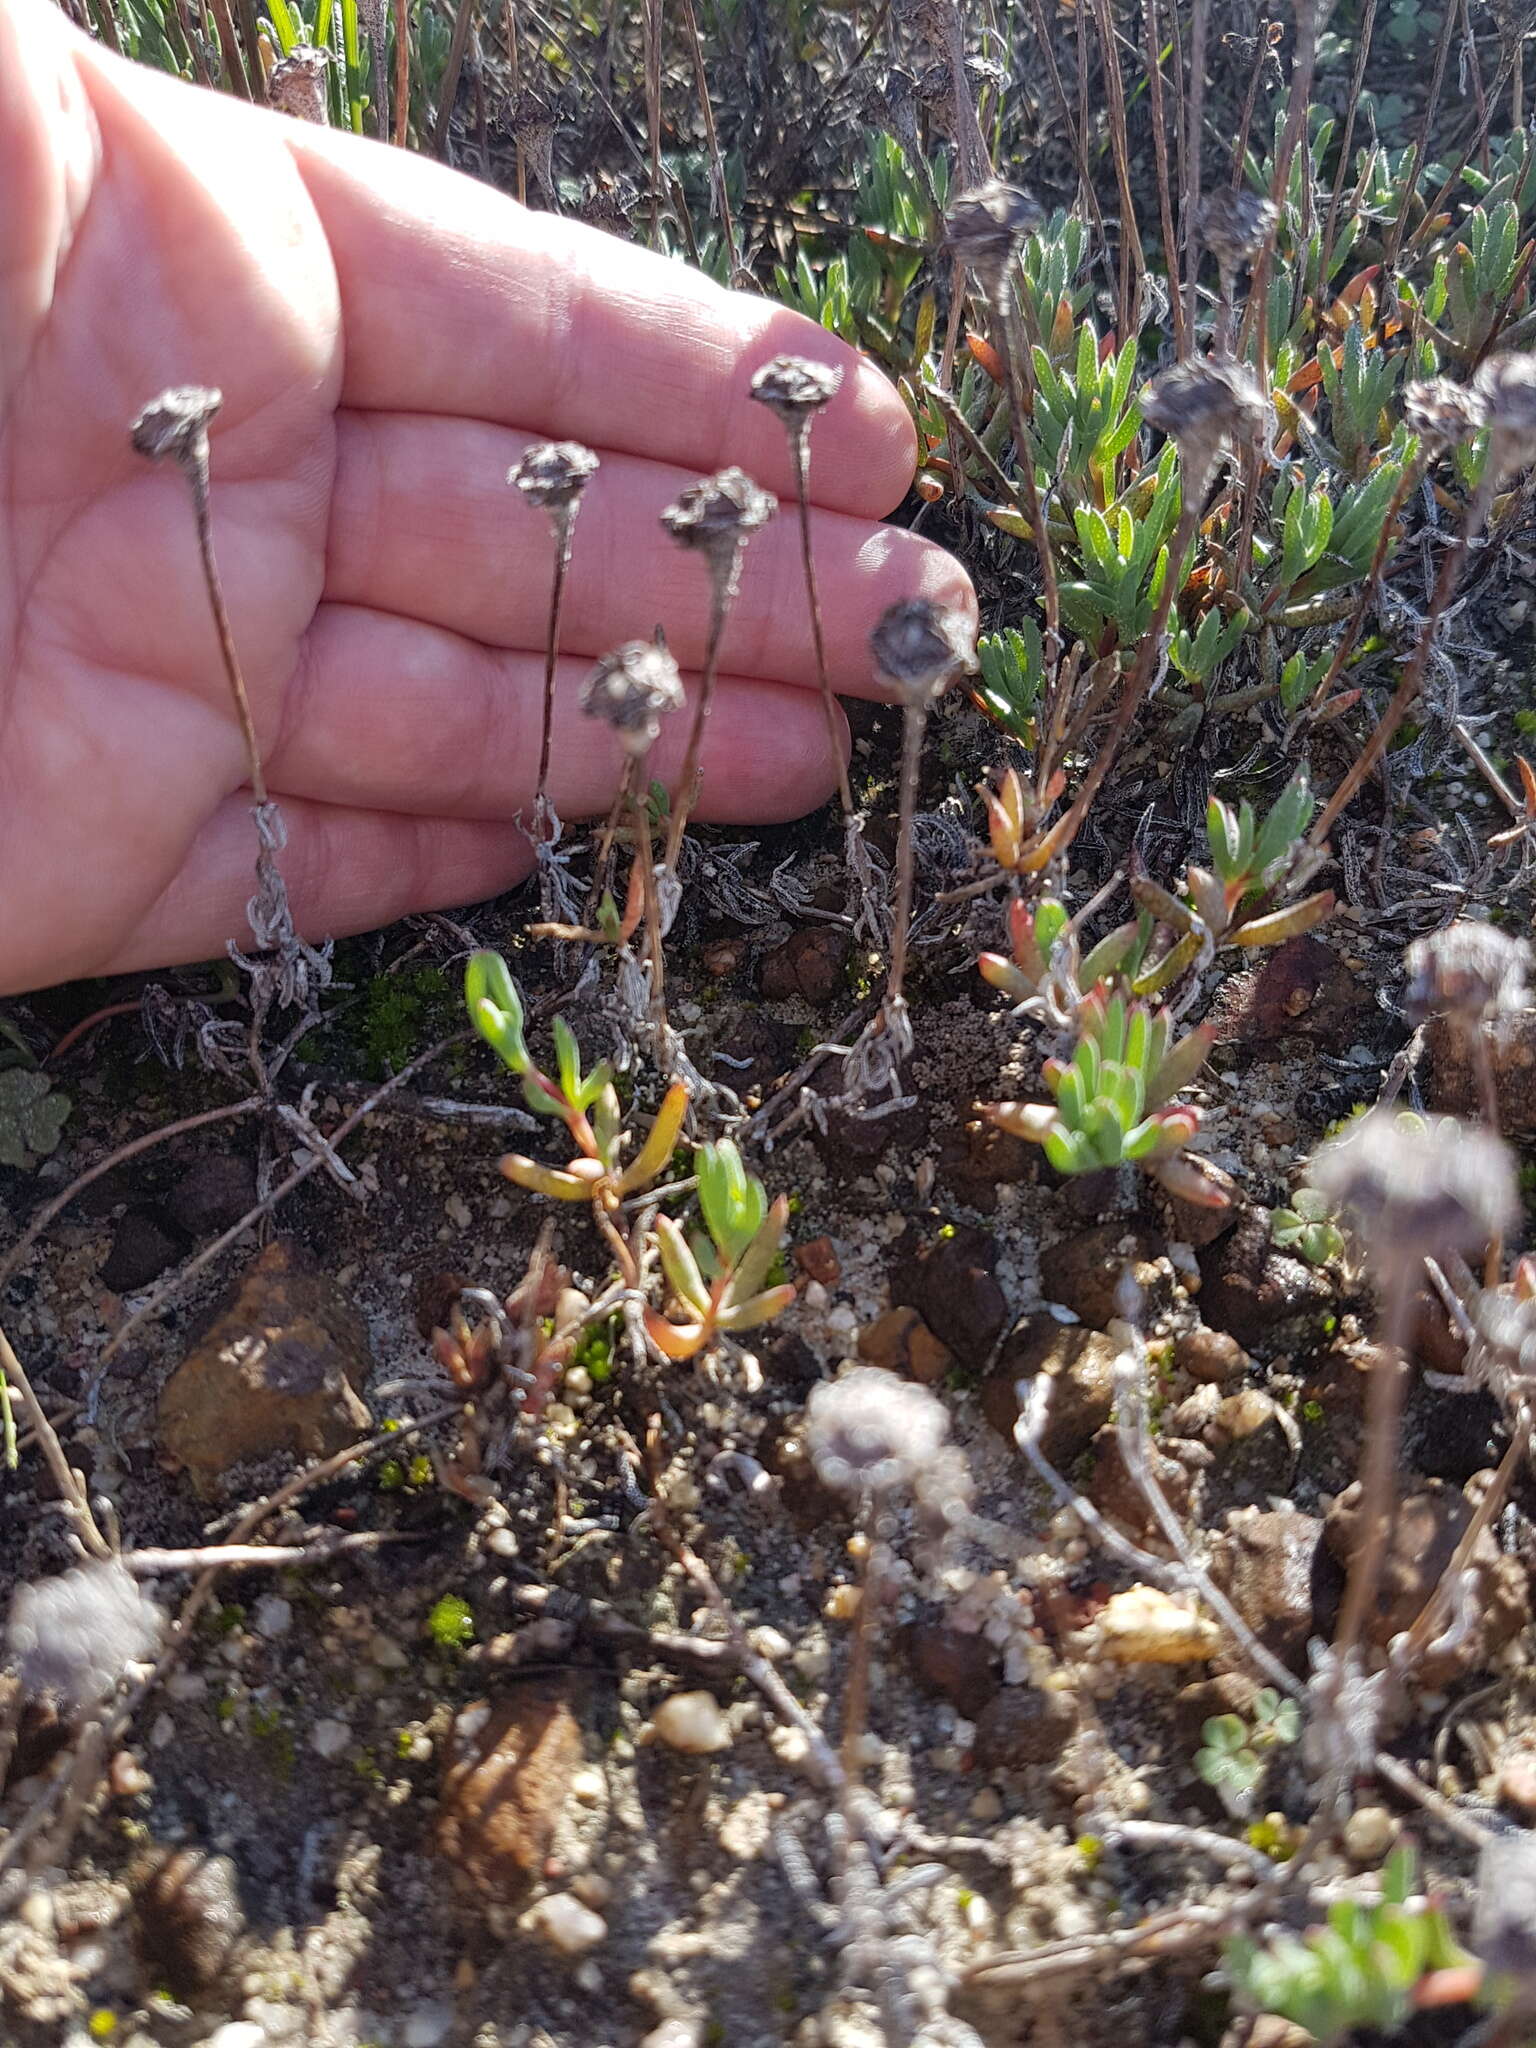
720 1280
1112 1098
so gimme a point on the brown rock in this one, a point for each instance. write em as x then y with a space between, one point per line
1081 1364
1450 1079
1268 1301
810 963
1265 1561
278 1370
958 1665
760 1046
902 1342
1022 1726
189 1917
948 1278
143 1245
1084 1272
851 1144
1256 1446
1303 990
1517 1783
214 1192
1426 1528
818 1261
1116 1493
508 1770
1213 1357
1197 1223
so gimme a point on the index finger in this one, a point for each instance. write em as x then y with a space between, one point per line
456 300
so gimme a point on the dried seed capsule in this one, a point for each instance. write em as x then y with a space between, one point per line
630 689
1470 972
72 1636
1507 386
1204 406
1416 1188
297 84
176 423
986 228
553 474
795 388
719 514
1443 415
872 1433
920 647
1234 226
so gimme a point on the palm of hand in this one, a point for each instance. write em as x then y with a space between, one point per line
389 339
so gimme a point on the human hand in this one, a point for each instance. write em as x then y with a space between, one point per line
389 337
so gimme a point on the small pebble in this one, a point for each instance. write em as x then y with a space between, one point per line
987 1804
1369 1834
387 1654
329 1738
565 1924
274 1616
692 1722
842 1603
589 1786
237 2034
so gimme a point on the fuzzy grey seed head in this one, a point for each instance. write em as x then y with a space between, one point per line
1504 1919
796 389
553 474
630 689
987 227
1204 406
1234 226
1507 386
297 84
870 1433
1418 1188
176 423
72 1636
920 647
1443 415
719 513
1471 972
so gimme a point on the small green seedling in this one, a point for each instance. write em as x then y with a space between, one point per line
1307 1228
586 1103
1360 1970
1235 1757
451 1624
720 1279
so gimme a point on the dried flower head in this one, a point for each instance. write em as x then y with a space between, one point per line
986 228
176 424
719 514
1443 415
553 474
630 689
1470 972
1415 1187
870 1433
1234 225
72 1636
1203 406
297 84
795 388
920 647
1507 386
